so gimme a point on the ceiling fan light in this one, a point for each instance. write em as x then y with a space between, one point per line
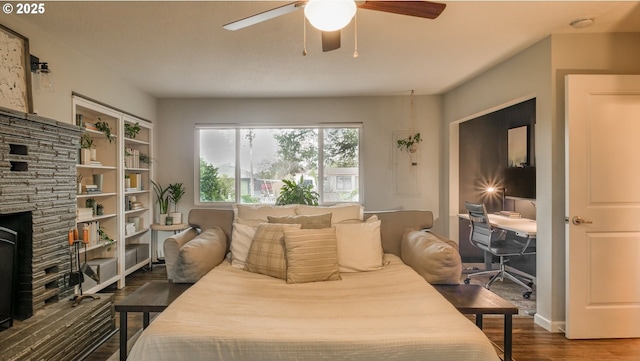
329 15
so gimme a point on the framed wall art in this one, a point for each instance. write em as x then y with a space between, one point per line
518 147
15 71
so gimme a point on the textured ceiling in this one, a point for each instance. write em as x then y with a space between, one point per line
179 49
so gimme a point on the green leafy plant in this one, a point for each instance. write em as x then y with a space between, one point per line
131 130
297 193
86 142
162 197
144 158
104 128
176 191
410 143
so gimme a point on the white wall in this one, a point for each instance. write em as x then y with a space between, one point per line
76 72
538 72
380 117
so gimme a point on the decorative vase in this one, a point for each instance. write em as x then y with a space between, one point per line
94 153
85 156
163 219
176 216
169 221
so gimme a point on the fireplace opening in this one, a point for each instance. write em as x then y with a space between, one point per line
16 256
8 275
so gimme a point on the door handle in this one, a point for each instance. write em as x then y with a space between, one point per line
579 220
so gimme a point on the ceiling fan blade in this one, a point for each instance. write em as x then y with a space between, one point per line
422 9
264 16
330 40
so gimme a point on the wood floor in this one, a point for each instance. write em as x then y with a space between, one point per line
530 342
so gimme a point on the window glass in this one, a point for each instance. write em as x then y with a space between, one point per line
217 171
265 156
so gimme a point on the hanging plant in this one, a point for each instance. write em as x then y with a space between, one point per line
410 144
104 128
131 130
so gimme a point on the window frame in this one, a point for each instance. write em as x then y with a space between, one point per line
237 181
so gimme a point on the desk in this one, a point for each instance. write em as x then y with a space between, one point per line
154 237
154 296
523 227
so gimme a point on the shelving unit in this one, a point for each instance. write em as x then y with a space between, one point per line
115 161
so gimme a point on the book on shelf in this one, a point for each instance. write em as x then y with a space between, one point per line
130 228
90 126
510 214
84 213
136 181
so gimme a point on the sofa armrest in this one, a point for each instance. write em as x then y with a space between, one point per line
199 255
172 247
434 258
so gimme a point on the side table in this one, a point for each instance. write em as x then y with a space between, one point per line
175 228
477 300
154 296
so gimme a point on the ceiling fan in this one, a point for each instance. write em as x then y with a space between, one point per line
330 16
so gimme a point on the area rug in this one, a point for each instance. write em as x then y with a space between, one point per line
508 290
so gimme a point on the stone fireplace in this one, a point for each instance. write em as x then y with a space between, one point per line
38 194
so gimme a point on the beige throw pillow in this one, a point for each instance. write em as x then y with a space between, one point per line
359 246
436 260
266 254
339 213
307 222
241 238
312 255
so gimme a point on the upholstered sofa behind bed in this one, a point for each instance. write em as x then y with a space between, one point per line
191 253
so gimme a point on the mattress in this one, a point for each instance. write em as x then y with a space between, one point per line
390 314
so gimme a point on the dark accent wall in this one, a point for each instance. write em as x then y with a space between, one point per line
483 160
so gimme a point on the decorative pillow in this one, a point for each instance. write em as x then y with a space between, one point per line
200 255
307 222
436 260
260 212
266 254
312 255
241 238
359 246
339 213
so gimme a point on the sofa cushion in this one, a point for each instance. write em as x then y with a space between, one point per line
359 246
307 222
266 254
312 255
339 213
255 214
200 255
436 260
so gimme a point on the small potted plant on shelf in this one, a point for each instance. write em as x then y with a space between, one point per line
176 191
104 128
87 149
131 130
162 197
297 193
410 144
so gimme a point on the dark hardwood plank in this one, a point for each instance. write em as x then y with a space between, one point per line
530 341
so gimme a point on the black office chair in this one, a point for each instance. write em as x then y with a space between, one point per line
497 242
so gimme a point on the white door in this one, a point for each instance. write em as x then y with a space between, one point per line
603 206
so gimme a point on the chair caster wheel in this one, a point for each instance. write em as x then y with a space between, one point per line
467 281
530 284
526 295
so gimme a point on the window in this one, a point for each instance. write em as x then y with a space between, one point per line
247 165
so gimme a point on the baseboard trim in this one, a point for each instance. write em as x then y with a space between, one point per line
551 326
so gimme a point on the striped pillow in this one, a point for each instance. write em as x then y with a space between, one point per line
266 254
312 255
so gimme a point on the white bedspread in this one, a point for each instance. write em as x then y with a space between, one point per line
391 315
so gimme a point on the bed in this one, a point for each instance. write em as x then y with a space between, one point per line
389 314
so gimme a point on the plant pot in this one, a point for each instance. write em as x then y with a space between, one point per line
163 219
85 156
177 217
169 221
